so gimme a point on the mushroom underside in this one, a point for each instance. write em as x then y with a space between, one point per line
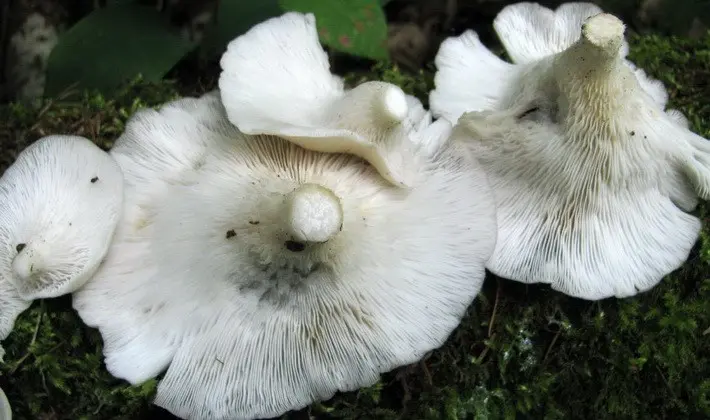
375 120
249 324
593 180
61 200
621 245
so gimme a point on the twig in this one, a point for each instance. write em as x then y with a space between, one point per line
407 397
425 368
552 344
707 331
495 309
41 113
484 352
666 382
34 338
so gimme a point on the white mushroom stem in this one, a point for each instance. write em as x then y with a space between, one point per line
366 122
591 74
605 33
313 213
29 261
600 44
372 104
391 105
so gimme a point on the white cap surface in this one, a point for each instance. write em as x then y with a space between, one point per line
61 200
593 179
276 80
206 279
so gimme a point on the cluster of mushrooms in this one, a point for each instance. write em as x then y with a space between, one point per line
284 238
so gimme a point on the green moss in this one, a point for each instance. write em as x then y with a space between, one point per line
521 352
419 84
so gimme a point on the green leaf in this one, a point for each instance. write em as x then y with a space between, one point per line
356 27
112 45
234 17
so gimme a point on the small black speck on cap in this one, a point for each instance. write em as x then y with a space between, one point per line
94 179
295 246
230 234
20 247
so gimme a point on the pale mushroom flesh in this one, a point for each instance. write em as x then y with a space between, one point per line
61 200
471 78
5 408
265 276
287 90
594 182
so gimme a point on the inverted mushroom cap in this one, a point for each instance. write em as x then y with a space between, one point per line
471 78
265 276
276 80
61 200
593 180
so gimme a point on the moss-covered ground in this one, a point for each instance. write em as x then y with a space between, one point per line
521 351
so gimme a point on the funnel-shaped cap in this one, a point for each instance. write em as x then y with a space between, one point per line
287 90
210 278
593 180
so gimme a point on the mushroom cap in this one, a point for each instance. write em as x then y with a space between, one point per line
62 199
61 202
593 180
276 80
5 409
206 280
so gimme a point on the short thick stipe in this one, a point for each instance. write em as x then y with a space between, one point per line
313 213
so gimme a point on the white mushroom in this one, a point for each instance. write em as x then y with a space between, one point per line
11 306
61 201
5 409
593 181
471 78
276 80
265 276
